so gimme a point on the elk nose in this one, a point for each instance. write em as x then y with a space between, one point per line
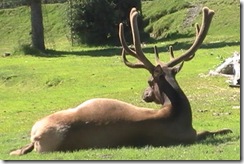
148 95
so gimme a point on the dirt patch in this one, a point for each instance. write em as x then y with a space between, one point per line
192 13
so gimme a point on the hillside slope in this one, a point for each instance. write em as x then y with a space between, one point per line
169 19
163 19
15 27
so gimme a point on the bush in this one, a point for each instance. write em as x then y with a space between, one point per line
96 21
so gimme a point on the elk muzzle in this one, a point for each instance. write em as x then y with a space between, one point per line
149 96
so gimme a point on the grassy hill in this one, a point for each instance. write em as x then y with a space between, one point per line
165 19
175 18
16 28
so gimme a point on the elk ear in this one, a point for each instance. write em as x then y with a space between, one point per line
157 71
177 68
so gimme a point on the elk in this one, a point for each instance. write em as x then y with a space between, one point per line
110 123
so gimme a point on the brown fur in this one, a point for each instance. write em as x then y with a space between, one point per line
99 123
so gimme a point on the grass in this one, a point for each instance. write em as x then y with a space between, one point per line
172 25
33 86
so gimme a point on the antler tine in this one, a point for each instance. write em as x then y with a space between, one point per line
172 56
200 36
157 56
136 40
123 42
137 43
129 64
197 33
197 29
122 38
127 49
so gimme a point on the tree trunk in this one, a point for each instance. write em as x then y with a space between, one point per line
37 25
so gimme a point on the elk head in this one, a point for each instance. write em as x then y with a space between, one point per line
171 68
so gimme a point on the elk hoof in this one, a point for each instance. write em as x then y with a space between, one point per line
16 152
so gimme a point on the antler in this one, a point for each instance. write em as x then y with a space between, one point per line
200 36
201 33
138 53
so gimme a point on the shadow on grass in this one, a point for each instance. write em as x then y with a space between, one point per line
113 51
93 53
217 141
186 45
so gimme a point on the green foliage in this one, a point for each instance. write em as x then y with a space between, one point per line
90 20
96 21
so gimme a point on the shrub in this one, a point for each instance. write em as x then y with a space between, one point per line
96 21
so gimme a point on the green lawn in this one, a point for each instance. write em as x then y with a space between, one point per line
33 87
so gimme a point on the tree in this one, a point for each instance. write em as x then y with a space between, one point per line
96 21
90 20
37 34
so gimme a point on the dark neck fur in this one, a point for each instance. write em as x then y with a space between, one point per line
178 99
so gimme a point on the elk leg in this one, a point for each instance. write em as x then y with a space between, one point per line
204 134
24 150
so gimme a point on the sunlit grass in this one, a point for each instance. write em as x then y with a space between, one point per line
33 87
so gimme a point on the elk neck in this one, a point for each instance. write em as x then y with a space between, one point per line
179 102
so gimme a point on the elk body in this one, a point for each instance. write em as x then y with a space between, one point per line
104 123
